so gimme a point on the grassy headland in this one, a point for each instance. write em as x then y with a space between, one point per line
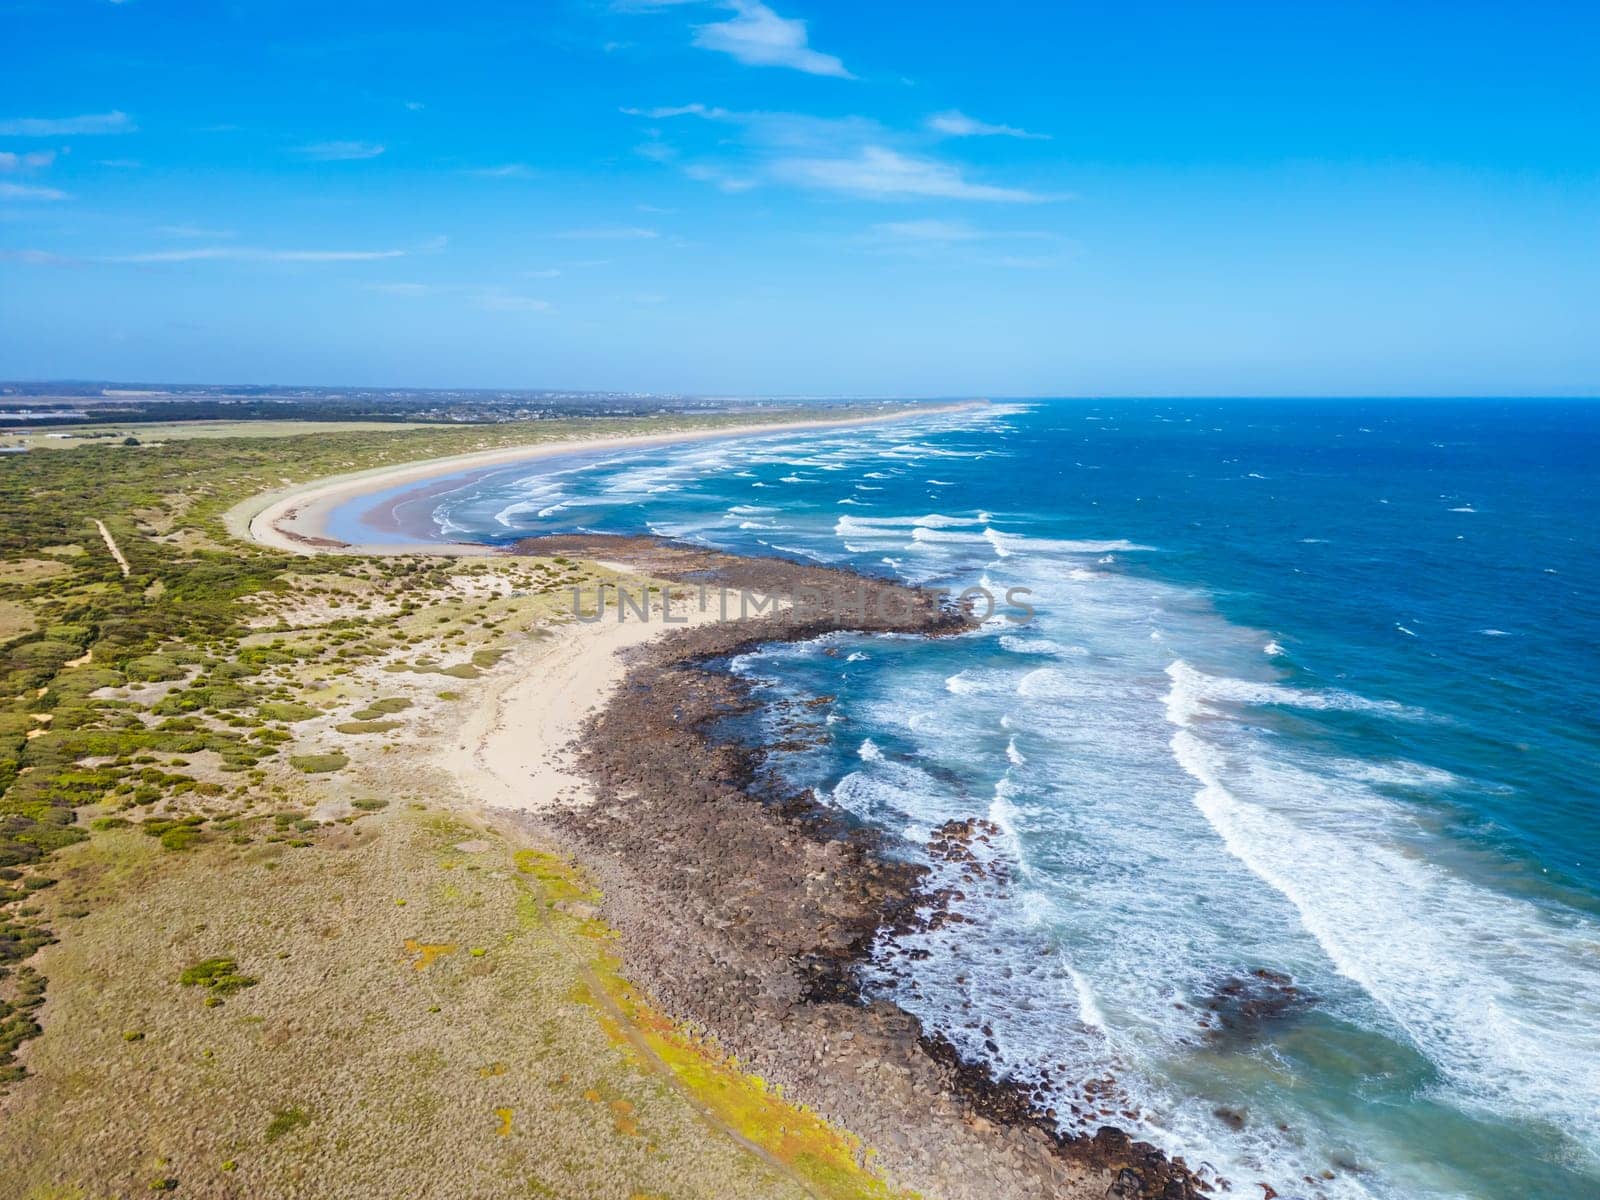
253 942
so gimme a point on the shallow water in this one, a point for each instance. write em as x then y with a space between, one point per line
1309 691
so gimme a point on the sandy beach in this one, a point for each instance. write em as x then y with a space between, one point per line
294 519
515 748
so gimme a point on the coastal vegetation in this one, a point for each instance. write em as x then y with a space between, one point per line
229 871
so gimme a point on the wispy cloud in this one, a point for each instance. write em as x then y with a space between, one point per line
667 111
656 151
881 173
1021 262
30 161
22 191
619 233
930 230
494 300
411 290
194 231
854 155
933 230
488 297
341 151
952 123
121 164
38 258
759 37
252 254
90 123
727 181
503 171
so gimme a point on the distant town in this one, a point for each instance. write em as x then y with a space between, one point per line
25 406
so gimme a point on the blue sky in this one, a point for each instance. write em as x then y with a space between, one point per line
810 197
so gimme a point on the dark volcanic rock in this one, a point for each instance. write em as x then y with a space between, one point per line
745 908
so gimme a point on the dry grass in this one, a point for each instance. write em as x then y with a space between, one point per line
422 1026
67 437
15 619
31 570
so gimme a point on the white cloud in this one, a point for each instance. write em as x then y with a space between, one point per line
10 161
931 230
121 164
399 289
195 231
1022 262
624 233
958 124
727 182
253 254
845 154
39 258
19 191
656 151
880 173
504 171
499 301
111 122
759 37
341 151
663 112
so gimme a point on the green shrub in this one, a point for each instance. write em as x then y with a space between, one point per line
368 726
288 711
220 976
319 764
285 1120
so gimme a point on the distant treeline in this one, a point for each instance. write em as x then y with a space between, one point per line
426 409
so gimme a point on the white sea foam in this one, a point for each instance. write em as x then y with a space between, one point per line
1195 694
1088 1008
1021 645
1500 994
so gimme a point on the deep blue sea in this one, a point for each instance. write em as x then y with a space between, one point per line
1312 690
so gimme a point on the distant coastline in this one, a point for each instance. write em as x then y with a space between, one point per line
295 519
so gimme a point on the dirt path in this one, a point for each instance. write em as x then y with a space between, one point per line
111 545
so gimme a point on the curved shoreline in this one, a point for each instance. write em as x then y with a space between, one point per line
746 909
294 518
